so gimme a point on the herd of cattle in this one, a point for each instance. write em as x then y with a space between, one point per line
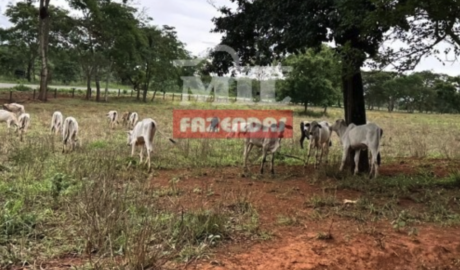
141 134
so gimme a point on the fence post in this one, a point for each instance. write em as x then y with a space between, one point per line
131 92
173 97
118 92
55 92
34 95
73 92
11 96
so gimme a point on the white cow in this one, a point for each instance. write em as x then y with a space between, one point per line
70 133
16 108
56 122
10 118
319 134
24 122
270 142
142 135
132 119
113 118
359 138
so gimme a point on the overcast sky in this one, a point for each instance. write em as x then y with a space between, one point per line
192 19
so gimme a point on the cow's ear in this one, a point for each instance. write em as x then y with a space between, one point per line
318 126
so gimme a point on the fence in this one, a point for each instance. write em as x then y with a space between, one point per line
10 95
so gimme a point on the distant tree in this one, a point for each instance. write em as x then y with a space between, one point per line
314 79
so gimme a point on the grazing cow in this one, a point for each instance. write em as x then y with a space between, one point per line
237 130
16 108
132 119
56 122
270 142
113 118
359 138
142 135
70 134
24 122
9 118
319 134
125 118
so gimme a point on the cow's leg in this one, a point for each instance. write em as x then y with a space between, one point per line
141 154
326 157
344 158
374 165
264 158
247 150
357 152
272 168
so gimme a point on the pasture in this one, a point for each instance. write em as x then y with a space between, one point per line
97 208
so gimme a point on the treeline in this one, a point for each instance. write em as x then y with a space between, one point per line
420 91
108 41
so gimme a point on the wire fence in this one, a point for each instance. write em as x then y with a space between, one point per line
12 95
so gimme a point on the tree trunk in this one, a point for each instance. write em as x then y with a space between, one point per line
144 95
325 110
43 40
88 85
305 107
107 82
106 88
29 70
154 94
98 86
355 109
138 92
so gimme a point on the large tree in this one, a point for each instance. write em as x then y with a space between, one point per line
262 30
43 34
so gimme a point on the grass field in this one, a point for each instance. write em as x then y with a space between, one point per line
97 208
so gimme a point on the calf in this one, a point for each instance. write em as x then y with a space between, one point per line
359 138
70 133
24 122
132 119
125 118
270 142
9 118
142 135
319 134
113 118
16 108
56 122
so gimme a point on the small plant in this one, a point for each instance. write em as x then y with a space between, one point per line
287 221
318 201
324 236
401 221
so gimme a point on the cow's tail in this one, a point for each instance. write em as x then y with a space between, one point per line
379 160
161 133
302 137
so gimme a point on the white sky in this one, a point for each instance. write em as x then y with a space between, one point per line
192 19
